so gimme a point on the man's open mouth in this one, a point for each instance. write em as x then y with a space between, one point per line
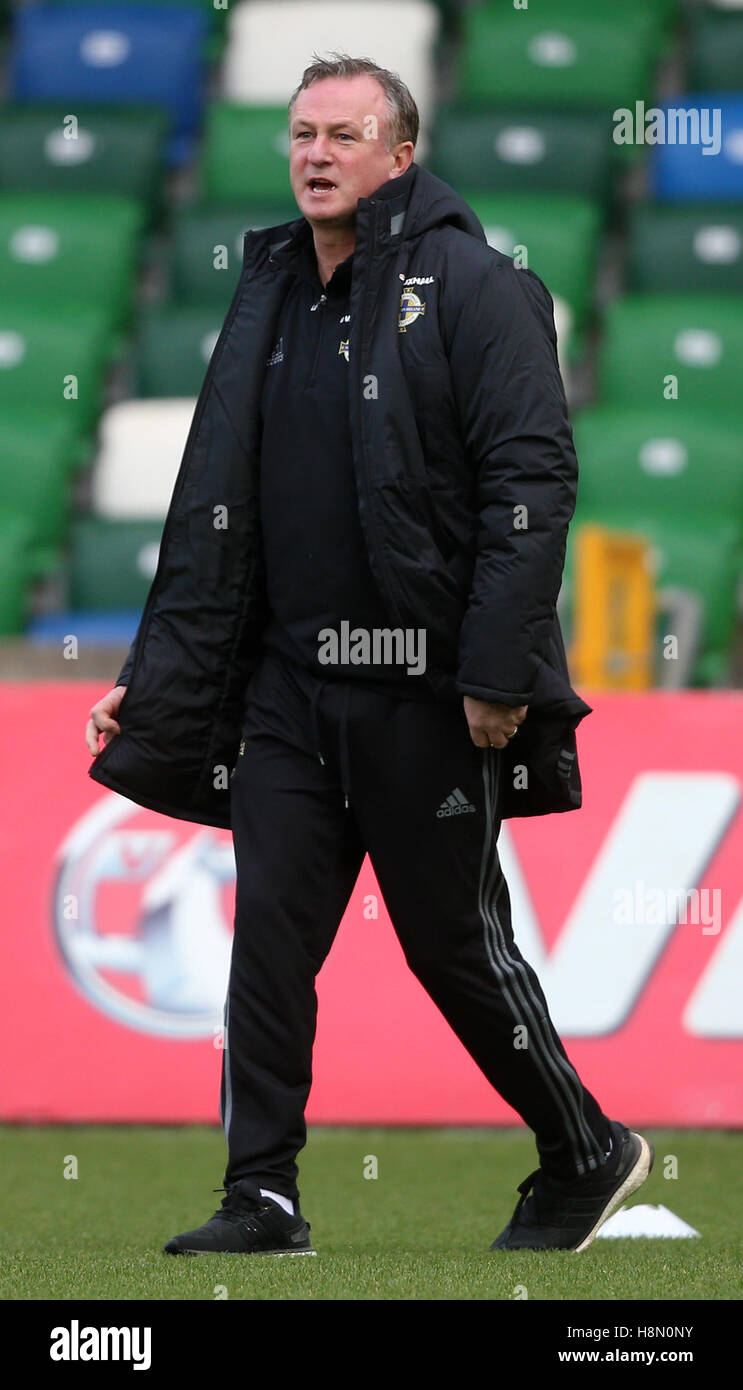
320 186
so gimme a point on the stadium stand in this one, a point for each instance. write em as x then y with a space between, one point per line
91 150
651 339
710 170
647 472
140 140
53 365
140 449
112 564
523 152
197 231
114 53
399 34
573 55
716 50
174 348
685 249
39 457
68 251
555 236
227 175
214 17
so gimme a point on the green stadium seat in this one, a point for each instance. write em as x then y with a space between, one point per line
523 152
560 236
114 150
696 338
111 564
672 462
16 572
246 155
36 458
60 250
174 345
685 250
557 56
203 236
53 367
660 13
715 51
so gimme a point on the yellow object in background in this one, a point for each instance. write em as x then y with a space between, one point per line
614 610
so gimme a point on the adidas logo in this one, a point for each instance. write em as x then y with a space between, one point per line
277 355
456 804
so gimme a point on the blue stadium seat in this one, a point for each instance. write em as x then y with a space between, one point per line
105 629
114 53
684 172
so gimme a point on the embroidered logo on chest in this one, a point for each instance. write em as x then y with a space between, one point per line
411 308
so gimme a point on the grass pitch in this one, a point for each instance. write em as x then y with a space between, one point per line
419 1230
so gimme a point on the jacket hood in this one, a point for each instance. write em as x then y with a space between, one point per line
417 202
425 202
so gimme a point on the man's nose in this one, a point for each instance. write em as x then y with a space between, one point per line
319 150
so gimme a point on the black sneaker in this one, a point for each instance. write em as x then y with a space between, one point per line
246 1224
566 1214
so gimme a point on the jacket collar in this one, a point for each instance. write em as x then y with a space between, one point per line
395 194
298 255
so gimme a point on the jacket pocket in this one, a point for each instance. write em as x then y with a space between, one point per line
540 771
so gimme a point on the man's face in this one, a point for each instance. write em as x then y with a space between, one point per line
338 133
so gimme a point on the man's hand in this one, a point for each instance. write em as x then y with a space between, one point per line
491 723
103 719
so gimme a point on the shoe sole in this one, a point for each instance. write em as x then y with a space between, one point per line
639 1171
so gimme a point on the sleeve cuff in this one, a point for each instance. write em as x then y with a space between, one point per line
500 697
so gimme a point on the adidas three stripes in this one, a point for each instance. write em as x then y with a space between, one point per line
328 771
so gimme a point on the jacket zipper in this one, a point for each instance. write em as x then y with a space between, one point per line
322 301
371 519
370 516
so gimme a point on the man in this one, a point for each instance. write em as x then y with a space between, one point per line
365 656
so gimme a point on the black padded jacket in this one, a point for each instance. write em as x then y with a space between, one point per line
466 476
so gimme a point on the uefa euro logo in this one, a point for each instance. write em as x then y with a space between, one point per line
143 918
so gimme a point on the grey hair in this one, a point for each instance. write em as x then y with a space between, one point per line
403 120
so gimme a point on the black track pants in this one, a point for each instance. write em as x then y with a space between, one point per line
298 850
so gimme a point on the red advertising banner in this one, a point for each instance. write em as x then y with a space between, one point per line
117 928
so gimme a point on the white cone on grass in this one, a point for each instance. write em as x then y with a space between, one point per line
644 1220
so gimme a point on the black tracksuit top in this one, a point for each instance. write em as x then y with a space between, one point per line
317 566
